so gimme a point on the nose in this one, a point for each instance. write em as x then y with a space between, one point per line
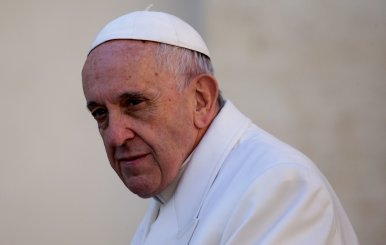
118 130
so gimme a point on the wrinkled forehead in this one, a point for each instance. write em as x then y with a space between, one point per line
123 49
115 53
124 60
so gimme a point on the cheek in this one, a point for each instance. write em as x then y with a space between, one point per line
178 129
174 146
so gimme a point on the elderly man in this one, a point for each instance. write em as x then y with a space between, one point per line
214 176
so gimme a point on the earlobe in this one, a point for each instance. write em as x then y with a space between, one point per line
206 90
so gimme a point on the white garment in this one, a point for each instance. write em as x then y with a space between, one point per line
242 186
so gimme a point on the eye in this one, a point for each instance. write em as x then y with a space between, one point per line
133 102
99 113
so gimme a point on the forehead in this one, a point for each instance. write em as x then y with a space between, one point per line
123 65
117 54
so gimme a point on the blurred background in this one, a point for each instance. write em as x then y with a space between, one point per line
313 73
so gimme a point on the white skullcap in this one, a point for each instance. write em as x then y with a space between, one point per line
153 26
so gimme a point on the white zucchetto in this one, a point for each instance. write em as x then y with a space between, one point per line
153 26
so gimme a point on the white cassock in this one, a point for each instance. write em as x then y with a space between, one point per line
243 186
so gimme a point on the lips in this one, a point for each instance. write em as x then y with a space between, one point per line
133 165
131 160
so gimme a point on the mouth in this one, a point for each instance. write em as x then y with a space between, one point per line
131 160
131 166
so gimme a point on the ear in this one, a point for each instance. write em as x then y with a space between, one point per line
206 91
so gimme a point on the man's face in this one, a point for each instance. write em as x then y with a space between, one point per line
146 123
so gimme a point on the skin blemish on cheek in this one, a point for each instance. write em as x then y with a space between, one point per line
156 74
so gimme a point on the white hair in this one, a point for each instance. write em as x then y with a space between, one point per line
185 64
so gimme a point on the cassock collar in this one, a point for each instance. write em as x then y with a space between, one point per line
166 194
206 161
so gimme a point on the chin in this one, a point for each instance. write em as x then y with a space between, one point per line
143 190
143 193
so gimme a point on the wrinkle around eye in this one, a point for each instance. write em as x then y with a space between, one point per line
133 102
99 114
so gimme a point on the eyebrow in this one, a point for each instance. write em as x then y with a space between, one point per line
123 96
91 105
131 95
